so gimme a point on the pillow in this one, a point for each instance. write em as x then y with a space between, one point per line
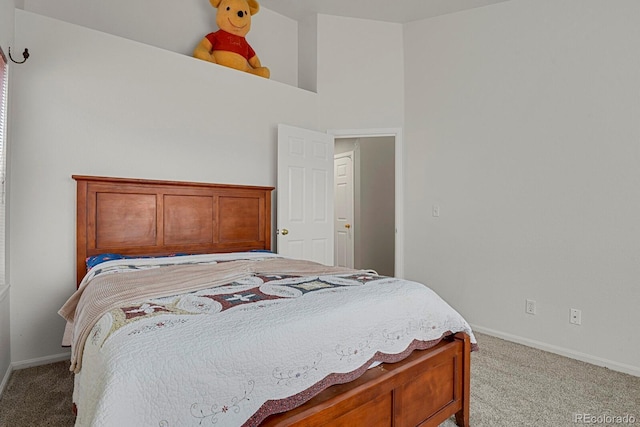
92 261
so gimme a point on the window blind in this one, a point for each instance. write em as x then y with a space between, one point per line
4 78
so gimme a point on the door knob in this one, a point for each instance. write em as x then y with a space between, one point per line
285 231
347 226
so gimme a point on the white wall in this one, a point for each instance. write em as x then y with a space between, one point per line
95 97
5 338
360 74
376 234
6 25
6 40
179 26
522 124
360 77
308 53
91 103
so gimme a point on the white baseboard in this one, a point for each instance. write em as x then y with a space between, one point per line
41 361
583 357
30 364
5 380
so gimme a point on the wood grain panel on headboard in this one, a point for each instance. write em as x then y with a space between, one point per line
149 217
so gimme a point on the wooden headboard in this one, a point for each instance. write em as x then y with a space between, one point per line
147 217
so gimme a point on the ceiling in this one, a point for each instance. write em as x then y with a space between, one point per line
400 11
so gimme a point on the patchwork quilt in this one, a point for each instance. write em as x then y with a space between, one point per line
264 337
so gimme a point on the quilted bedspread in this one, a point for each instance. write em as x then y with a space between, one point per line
234 352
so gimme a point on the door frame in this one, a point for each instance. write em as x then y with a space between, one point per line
399 183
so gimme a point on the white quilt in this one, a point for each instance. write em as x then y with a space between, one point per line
233 354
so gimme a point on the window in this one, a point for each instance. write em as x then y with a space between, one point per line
3 139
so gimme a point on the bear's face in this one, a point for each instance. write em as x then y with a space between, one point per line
234 16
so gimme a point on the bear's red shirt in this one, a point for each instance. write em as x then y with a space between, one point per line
221 40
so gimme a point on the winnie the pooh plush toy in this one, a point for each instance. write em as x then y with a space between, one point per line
228 45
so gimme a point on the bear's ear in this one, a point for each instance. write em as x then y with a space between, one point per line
215 3
254 7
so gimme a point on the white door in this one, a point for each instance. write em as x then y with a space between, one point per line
305 194
343 220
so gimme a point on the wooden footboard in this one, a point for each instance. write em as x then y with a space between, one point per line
423 390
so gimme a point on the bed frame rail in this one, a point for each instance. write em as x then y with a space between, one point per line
423 390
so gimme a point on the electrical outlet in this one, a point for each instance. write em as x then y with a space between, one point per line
575 316
530 307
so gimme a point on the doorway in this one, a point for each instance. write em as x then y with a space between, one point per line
377 198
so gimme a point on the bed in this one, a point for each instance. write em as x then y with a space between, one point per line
188 318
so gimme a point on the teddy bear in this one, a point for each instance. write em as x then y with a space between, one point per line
228 45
